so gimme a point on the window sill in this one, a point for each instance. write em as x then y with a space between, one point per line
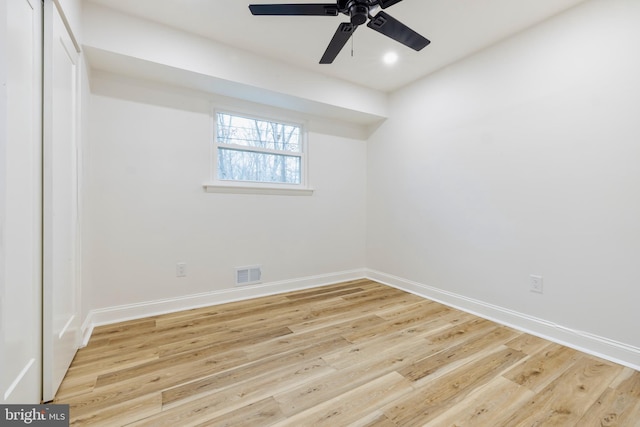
257 189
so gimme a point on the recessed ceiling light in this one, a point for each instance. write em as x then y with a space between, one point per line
390 58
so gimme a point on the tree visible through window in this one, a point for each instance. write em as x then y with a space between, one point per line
258 150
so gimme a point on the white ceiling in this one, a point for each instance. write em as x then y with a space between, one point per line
456 28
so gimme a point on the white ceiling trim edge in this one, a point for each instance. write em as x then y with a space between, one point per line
127 45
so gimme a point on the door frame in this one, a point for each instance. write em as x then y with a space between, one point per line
60 341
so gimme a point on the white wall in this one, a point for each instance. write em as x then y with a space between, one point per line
520 160
146 210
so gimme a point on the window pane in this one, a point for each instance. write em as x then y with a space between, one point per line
241 165
258 133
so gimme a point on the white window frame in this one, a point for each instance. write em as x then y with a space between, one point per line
217 185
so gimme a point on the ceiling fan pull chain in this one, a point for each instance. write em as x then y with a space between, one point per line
352 37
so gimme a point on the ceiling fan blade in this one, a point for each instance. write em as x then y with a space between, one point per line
386 3
314 9
391 27
340 38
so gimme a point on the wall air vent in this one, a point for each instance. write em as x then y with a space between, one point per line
248 275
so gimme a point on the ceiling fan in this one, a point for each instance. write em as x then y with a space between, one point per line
359 11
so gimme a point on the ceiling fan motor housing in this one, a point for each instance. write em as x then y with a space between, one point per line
358 13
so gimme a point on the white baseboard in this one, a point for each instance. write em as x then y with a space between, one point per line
110 315
604 348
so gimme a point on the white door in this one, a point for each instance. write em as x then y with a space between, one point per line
61 323
20 200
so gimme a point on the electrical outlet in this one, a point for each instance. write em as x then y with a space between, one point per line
535 283
181 269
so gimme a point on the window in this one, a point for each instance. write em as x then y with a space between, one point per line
255 150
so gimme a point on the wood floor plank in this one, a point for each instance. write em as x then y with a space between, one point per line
228 338
127 387
486 406
125 412
114 362
406 314
435 397
76 386
376 419
321 389
352 405
209 405
360 352
613 408
201 357
91 354
528 344
366 363
628 382
330 290
457 351
428 326
569 397
539 370
313 296
219 313
249 371
263 413
311 338
619 405
355 354
101 333
336 310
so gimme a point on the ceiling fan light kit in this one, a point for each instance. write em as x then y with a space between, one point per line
358 11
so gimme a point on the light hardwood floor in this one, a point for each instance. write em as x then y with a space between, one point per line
353 354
